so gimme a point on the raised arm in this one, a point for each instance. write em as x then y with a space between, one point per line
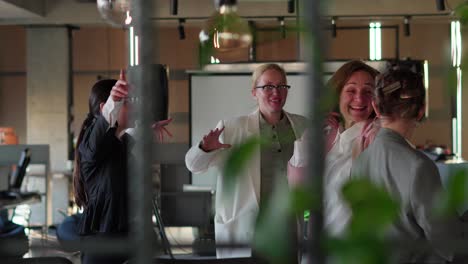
208 152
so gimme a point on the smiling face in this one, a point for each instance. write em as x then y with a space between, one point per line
270 102
356 98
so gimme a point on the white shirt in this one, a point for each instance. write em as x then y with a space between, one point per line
111 110
338 164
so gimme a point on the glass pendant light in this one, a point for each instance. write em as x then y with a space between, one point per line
115 12
225 29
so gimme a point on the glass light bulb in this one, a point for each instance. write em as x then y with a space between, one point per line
115 12
226 30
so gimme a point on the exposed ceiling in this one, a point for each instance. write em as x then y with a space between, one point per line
84 12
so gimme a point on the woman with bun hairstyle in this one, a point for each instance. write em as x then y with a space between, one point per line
391 161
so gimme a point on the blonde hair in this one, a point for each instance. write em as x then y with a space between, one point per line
265 67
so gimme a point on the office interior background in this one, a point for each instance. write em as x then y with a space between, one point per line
52 51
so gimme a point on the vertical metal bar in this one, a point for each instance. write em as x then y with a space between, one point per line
140 173
313 48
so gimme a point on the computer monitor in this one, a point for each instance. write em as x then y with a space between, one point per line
16 178
187 209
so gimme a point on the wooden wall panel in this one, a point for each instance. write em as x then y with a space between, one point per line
12 49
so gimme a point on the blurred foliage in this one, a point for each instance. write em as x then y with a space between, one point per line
238 158
454 198
461 12
372 206
373 211
274 228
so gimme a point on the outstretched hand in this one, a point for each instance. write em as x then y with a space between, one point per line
159 129
211 141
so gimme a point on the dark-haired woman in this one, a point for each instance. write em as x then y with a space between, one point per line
407 174
100 176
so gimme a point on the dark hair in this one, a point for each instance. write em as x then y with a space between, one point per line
99 94
342 75
399 93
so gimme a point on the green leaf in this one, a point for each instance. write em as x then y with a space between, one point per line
357 250
238 158
302 199
461 11
373 209
455 196
275 227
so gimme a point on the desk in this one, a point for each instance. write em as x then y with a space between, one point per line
12 203
10 154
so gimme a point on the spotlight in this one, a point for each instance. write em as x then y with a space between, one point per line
282 27
181 28
291 6
333 24
407 28
440 5
174 5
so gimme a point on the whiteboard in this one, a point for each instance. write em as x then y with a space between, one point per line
223 96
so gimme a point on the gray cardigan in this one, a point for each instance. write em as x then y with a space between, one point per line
413 179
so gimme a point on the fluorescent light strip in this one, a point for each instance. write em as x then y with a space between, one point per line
132 47
371 41
378 42
459 43
454 136
426 85
452 42
459 111
136 50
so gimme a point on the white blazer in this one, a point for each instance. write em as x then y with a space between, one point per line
236 213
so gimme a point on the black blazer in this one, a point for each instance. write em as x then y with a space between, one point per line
103 167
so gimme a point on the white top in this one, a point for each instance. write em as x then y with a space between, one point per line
338 164
111 110
337 171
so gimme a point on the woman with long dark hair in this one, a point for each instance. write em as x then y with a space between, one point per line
101 158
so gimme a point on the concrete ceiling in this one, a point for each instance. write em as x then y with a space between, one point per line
84 12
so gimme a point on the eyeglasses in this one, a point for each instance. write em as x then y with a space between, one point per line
270 87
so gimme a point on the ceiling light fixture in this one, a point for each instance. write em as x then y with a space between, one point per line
291 6
174 5
282 27
440 4
115 12
333 25
225 29
181 28
407 29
